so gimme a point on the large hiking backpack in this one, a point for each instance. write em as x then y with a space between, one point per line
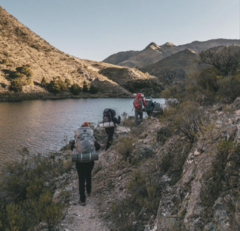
150 105
108 115
137 102
158 110
85 145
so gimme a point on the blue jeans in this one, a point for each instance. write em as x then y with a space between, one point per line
138 113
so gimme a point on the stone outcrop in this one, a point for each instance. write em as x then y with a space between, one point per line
199 181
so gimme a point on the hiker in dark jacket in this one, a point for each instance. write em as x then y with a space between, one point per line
110 131
85 173
150 106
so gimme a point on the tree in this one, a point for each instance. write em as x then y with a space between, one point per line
225 59
62 85
54 87
93 89
43 82
68 82
85 87
16 85
25 70
75 89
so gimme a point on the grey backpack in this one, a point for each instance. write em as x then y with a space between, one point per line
84 140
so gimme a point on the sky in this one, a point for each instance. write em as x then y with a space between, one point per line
96 29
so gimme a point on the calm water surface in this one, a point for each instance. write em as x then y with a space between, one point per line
44 126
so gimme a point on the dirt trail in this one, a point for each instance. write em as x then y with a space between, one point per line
84 218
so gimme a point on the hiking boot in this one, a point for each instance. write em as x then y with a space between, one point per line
82 203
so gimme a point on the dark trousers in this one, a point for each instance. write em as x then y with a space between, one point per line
84 175
138 113
110 132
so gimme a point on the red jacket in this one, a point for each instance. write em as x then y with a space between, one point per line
139 96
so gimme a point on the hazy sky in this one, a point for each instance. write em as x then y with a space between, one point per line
95 29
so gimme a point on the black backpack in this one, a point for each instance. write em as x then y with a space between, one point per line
108 115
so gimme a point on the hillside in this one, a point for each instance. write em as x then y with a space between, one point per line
154 178
21 48
120 57
154 53
176 66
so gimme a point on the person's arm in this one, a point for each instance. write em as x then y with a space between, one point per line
97 145
72 145
144 102
117 121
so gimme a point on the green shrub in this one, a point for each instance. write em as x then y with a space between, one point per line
57 86
4 61
25 202
127 121
85 87
54 87
229 88
143 194
35 46
25 70
16 85
27 81
93 89
75 89
187 120
125 147
44 82
15 75
62 85
68 82
225 59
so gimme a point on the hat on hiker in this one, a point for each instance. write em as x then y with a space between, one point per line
85 124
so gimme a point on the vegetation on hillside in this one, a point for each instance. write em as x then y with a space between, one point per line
218 83
26 192
187 128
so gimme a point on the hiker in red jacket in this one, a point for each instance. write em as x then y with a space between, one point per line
138 104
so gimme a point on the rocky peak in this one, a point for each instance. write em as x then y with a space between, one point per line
152 46
169 44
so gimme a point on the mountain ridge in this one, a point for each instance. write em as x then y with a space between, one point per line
22 47
138 59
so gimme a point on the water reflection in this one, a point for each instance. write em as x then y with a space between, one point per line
42 125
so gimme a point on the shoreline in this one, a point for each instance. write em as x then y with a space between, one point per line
25 97
19 97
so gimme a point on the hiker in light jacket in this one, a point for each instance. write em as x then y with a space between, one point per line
138 104
84 170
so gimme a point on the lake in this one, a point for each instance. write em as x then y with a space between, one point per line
47 125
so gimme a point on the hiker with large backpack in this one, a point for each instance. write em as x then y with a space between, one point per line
150 105
84 147
109 123
138 104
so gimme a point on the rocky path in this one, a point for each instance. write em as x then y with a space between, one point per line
84 218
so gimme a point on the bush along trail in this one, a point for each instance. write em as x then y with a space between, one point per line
177 172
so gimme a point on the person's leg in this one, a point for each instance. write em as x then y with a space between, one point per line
136 118
110 132
141 114
89 177
81 169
